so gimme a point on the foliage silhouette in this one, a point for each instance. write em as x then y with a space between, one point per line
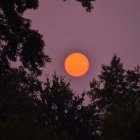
63 111
87 4
18 113
117 97
28 111
17 39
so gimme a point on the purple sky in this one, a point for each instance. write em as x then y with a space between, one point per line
112 27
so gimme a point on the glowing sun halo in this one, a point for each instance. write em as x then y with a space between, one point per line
76 64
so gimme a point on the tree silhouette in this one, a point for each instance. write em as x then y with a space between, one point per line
63 111
116 97
18 113
17 39
87 4
28 111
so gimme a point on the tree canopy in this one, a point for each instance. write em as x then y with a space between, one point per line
117 98
17 39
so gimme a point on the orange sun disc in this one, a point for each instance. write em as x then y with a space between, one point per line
76 64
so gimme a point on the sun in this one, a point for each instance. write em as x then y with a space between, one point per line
76 64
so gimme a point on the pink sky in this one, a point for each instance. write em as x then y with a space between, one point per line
112 27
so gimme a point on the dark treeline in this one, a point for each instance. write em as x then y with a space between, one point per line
32 110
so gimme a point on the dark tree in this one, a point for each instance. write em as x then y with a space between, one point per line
19 116
86 3
117 99
63 111
17 39
20 112
28 111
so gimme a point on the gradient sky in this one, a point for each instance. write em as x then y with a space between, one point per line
113 26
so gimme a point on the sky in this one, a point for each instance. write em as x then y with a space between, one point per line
112 27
